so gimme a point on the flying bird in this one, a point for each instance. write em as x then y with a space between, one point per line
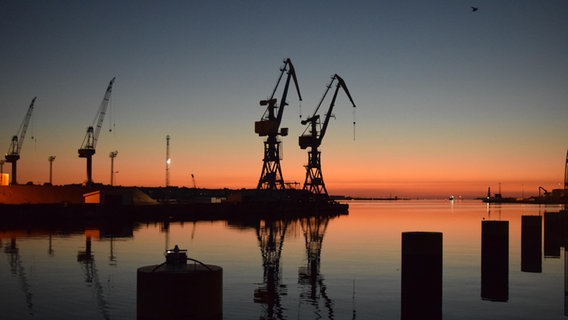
473 9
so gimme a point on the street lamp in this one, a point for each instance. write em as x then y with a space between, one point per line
112 155
50 159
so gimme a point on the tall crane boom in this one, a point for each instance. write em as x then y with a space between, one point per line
313 139
271 119
93 131
269 125
566 172
13 154
89 144
18 138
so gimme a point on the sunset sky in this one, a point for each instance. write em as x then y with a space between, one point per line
449 101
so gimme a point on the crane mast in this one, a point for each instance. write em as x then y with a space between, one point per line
566 173
312 138
13 154
89 144
269 126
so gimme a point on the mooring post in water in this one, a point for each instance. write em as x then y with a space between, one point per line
531 244
178 290
495 260
552 234
421 281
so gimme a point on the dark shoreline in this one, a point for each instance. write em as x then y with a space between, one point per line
56 216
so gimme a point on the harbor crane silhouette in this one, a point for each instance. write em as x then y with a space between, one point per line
312 138
269 126
89 144
13 154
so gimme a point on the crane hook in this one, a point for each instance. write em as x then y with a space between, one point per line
354 122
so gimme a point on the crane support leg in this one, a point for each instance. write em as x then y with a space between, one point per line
89 171
314 178
14 171
271 175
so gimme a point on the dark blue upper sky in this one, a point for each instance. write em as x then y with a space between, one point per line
436 84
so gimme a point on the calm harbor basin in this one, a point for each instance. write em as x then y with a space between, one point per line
344 267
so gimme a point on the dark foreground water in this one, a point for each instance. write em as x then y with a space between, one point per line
354 270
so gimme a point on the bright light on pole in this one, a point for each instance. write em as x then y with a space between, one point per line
168 160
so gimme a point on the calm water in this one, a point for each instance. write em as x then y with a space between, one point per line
355 264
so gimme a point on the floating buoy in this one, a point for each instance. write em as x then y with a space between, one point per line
177 289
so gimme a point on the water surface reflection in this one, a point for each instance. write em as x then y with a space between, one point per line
342 267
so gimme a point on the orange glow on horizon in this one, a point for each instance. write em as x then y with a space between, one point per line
349 172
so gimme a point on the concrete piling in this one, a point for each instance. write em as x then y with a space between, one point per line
421 281
495 260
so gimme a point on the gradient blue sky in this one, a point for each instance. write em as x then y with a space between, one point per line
449 101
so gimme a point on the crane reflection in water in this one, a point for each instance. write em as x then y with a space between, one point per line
270 235
17 269
309 276
87 261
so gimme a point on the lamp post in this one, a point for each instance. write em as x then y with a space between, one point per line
112 155
168 160
50 159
